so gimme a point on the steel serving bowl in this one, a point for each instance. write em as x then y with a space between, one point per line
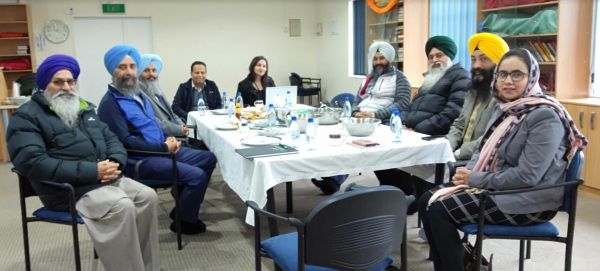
361 126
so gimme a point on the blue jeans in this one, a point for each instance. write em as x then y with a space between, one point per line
194 171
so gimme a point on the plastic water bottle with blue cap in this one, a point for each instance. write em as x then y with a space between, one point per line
347 108
392 118
272 116
288 100
397 128
231 108
201 106
311 133
224 103
295 132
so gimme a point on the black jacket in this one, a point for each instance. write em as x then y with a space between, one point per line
184 102
433 112
249 94
43 148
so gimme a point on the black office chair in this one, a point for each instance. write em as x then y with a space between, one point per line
540 232
357 230
69 218
306 87
160 183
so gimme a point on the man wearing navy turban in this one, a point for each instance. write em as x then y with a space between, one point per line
57 139
129 114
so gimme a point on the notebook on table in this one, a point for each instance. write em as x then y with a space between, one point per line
265 151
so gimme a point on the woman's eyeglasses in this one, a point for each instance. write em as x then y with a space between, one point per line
515 76
61 82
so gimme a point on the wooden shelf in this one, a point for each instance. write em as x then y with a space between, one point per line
13 22
15 71
520 6
13 55
387 23
531 36
16 38
397 61
390 42
547 63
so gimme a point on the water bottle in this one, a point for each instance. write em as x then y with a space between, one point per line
295 132
288 100
272 116
392 118
347 108
239 103
231 108
397 128
224 104
310 135
201 106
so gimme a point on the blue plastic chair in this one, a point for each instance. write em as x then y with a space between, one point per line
340 98
356 230
540 232
44 214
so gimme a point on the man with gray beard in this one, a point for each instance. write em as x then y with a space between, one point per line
441 96
57 138
150 67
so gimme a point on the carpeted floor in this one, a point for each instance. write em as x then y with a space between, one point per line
228 244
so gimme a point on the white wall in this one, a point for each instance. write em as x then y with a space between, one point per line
333 50
226 34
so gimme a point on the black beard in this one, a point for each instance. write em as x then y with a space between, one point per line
482 82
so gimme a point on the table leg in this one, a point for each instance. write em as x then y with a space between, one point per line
289 197
273 228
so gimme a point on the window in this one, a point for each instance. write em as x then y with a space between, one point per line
595 89
356 37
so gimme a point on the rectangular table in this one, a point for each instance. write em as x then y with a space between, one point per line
251 179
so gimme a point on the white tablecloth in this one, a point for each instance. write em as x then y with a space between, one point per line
251 178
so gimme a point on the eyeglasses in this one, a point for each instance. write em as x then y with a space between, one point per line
438 56
61 82
515 76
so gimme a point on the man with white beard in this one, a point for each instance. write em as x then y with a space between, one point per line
57 138
434 108
441 96
150 67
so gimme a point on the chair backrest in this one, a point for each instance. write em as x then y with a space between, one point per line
25 186
356 230
573 173
296 80
340 98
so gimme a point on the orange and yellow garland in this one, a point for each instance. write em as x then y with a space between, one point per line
385 9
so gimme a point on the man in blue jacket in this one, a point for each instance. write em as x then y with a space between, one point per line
186 98
130 116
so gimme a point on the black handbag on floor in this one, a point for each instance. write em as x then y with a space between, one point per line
470 257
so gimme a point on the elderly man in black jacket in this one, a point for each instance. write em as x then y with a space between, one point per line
434 108
57 137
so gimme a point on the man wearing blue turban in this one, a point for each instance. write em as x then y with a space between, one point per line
129 114
85 154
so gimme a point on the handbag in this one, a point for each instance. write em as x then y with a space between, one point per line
470 257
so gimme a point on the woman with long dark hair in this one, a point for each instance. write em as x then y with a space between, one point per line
529 142
253 87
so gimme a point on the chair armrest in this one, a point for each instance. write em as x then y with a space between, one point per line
64 186
191 126
257 209
149 153
452 167
542 187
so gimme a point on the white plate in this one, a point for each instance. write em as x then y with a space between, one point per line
219 112
225 126
260 140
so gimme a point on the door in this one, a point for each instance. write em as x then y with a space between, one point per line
94 37
581 117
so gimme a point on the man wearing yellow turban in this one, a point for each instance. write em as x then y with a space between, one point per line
467 130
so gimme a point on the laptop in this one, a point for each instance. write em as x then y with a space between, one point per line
264 151
275 94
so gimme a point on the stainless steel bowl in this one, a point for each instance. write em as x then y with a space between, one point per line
302 120
361 126
330 116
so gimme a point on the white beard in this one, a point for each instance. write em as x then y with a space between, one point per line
66 107
434 75
152 88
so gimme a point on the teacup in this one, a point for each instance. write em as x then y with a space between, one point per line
336 139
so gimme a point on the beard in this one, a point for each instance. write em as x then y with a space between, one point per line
152 88
65 106
482 81
435 74
379 70
128 85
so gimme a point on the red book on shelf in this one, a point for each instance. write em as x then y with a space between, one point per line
534 51
550 52
539 49
551 82
546 52
12 35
